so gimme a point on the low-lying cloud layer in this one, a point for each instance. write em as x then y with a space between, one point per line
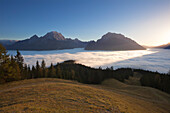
154 59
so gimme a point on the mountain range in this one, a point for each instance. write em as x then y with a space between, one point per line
51 41
113 41
56 41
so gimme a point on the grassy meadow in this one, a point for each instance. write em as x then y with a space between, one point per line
58 95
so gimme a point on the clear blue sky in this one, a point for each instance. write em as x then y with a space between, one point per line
145 21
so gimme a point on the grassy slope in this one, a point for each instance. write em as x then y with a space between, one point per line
56 95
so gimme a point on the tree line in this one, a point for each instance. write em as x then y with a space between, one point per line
155 80
13 68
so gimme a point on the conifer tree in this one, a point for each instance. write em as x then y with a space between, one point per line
4 63
8 67
72 74
3 55
38 70
29 72
14 72
52 71
59 72
111 68
25 72
44 70
33 72
20 60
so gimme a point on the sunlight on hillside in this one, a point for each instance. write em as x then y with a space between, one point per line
46 95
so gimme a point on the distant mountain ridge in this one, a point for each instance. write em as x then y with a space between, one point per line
7 42
51 41
164 46
114 41
167 47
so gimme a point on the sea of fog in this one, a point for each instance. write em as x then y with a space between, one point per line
150 59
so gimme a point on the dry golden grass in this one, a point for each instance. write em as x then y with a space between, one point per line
57 95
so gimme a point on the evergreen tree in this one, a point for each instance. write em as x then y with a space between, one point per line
111 68
52 71
38 70
157 81
59 72
4 64
8 67
72 74
44 70
14 71
20 60
25 72
5 67
3 55
29 72
100 68
33 72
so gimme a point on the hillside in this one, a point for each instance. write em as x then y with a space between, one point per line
114 41
57 95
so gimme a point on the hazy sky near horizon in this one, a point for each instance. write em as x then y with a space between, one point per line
145 21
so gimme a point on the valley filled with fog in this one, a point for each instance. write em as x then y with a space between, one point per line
150 59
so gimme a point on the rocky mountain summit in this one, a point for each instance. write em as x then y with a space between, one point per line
114 41
53 36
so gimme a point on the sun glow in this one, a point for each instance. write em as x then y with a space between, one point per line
166 38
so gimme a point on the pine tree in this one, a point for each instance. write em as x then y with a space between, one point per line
25 72
29 72
72 74
20 60
3 55
33 72
8 67
4 63
9 71
44 70
14 71
100 67
111 68
157 81
52 71
37 70
59 72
